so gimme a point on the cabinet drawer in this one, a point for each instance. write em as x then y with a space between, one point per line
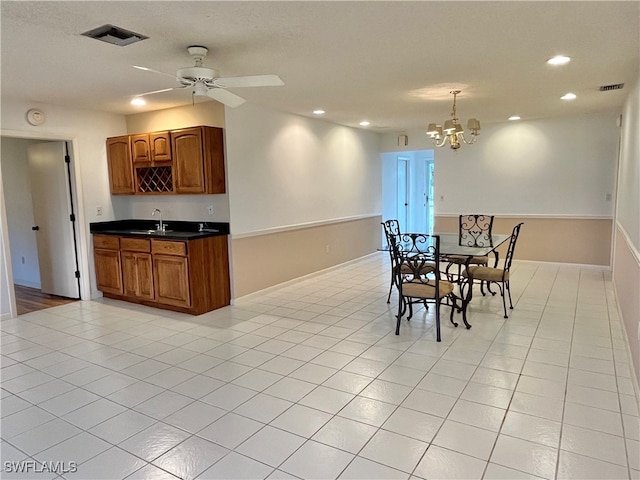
168 247
135 244
108 242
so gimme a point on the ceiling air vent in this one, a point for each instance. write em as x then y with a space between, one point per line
615 86
115 35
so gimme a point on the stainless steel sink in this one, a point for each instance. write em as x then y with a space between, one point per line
151 232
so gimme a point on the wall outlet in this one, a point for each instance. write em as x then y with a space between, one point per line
98 210
210 209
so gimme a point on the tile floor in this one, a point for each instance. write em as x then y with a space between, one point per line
308 381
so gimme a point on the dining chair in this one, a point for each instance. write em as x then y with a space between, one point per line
419 280
391 229
499 276
474 230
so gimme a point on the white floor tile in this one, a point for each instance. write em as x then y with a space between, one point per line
271 446
363 469
395 451
238 467
316 461
345 434
466 439
230 430
301 420
154 441
190 458
110 464
598 445
447 464
531 428
571 466
367 410
528 457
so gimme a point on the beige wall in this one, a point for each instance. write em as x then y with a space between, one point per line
261 261
563 240
627 281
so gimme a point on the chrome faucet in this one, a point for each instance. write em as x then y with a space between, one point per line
161 224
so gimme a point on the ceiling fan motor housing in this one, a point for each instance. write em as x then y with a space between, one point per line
189 75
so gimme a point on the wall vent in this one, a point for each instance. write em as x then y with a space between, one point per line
114 35
615 86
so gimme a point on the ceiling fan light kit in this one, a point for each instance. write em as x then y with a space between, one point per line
205 81
453 131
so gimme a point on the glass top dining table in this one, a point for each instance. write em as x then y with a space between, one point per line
450 245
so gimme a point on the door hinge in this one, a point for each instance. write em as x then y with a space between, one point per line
72 217
77 274
67 159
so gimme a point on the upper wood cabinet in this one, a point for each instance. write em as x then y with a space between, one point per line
150 148
185 161
120 165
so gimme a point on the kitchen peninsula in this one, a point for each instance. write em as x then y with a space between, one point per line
184 268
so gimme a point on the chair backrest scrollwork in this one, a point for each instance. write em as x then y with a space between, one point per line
475 230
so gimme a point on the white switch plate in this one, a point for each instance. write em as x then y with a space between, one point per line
98 210
210 209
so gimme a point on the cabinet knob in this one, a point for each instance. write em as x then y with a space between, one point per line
35 228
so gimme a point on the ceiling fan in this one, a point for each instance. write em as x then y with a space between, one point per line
205 81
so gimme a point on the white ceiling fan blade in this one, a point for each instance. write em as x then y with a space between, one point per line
145 69
226 97
158 91
249 81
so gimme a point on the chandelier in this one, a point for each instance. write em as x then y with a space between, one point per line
452 130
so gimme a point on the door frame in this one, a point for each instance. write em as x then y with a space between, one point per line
82 240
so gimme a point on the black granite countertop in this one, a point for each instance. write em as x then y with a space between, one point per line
175 229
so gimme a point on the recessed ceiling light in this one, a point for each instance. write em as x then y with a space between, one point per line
319 111
138 101
559 60
514 117
568 96
365 123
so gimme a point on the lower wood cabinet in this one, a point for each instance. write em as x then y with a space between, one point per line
137 275
171 275
188 276
106 254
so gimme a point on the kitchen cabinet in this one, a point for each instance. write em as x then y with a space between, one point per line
150 148
120 165
190 276
106 252
137 270
185 161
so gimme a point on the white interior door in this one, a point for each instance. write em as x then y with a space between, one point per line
403 194
51 212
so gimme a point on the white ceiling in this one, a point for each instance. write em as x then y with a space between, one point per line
392 63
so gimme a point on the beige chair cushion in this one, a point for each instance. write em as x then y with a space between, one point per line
487 273
484 260
423 290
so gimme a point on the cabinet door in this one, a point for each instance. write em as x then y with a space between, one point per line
171 280
137 276
120 166
140 152
160 146
108 271
188 165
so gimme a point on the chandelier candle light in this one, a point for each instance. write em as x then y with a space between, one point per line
452 130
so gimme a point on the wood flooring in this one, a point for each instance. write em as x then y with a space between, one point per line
31 300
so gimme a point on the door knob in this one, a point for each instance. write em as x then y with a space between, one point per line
35 228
